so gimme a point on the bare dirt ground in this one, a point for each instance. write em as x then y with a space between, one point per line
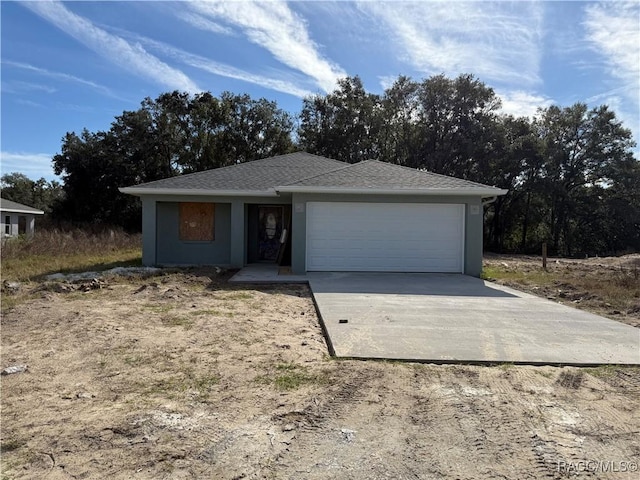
607 286
185 376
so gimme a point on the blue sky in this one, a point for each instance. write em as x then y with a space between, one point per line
71 65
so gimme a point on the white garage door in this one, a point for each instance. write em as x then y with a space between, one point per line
385 237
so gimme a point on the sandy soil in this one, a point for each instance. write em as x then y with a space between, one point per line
185 376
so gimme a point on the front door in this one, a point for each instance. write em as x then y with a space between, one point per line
270 225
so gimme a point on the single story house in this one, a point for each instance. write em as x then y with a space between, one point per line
17 219
318 214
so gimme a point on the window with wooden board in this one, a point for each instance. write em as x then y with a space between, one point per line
197 222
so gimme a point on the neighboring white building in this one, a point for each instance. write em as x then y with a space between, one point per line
17 219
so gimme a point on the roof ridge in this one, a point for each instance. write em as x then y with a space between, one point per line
348 165
312 154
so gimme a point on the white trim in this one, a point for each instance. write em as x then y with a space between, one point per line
15 210
483 192
199 191
463 236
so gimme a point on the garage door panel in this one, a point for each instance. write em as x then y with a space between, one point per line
384 237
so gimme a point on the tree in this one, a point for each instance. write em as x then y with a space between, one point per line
343 125
175 133
399 136
581 149
455 123
40 194
512 163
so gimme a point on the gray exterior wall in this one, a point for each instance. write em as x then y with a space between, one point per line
473 223
160 230
161 244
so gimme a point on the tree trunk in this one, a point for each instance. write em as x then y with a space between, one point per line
525 223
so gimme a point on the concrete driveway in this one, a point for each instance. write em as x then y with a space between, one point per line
456 318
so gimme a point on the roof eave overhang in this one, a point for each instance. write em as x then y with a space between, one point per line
16 210
197 192
474 192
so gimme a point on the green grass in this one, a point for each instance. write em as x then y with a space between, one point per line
289 376
238 296
135 360
159 308
606 371
177 321
506 366
174 386
206 312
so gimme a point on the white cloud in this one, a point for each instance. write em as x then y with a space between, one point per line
198 21
129 57
22 87
225 70
613 30
273 26
59 76
523 104
497 41
29 103
387 81
33 165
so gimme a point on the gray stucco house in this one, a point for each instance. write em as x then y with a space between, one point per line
318 214
17 219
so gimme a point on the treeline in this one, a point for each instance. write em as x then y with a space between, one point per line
572 178
41 194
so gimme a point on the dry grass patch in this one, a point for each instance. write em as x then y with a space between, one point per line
51 251
27 260
290 376
606 286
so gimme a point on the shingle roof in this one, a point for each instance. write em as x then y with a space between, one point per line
303 171
257 175
9 206
374 174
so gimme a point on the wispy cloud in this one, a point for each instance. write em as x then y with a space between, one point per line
59 76
613 30
275 27
33 165
117 50
523 104
28 103
202 23
224 70
21 87
497 41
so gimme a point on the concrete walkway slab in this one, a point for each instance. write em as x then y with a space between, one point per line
266 273
456 318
